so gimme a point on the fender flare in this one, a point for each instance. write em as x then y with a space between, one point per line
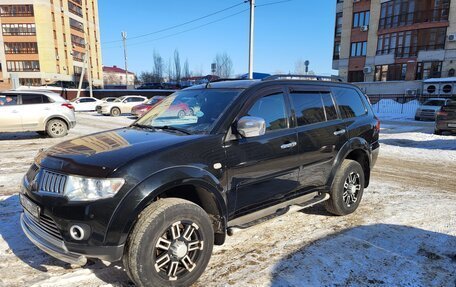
356 143
143 194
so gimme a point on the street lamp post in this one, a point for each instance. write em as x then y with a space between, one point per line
252 27
124 40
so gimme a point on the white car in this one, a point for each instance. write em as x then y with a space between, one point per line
36 111
429 108
122 105
85 104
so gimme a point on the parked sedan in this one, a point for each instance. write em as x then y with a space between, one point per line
429 108
85 104
445 120
122 105
36 111
105 100
140 110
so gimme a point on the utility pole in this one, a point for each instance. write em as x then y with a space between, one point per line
86 65
124 40
252 26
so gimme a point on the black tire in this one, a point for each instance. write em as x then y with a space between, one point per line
438 132
56 128
144 255
341 201
115 112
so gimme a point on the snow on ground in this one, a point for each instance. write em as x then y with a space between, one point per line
403 234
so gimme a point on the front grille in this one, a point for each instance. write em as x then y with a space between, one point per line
52 182
32 172
45 224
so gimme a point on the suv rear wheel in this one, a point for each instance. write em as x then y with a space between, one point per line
347 189
56 128
170 245
115 112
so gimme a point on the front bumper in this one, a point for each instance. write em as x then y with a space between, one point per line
48 244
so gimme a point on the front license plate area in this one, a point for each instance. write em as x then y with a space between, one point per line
31 207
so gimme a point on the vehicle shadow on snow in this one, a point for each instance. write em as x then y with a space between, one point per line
437 144
372 255
20 136
27 252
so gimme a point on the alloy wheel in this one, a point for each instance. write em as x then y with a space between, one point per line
352 187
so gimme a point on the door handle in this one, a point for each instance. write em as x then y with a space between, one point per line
340 132
288 145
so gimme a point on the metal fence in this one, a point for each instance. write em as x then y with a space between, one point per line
398 104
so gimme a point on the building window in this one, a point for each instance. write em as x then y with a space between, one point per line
18 29
336 53
74 24
358 49
355 76
16 10
30 82
394 72
451 73
339 20
361 19
78 56
408 44
397 13
23 66
75 9
427 70
21 48
77 41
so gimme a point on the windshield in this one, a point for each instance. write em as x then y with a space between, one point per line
435 103
196 111
153 101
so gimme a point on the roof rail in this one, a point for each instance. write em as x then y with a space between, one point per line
303 77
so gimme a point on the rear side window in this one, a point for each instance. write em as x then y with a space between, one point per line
87 100
349 102
313 107
33 99
272 109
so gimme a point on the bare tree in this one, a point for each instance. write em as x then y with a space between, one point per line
224 65
158 67
170 71
147 77
186 70
177 66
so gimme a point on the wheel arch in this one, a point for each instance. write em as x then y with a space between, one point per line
189 183
56 117
357 149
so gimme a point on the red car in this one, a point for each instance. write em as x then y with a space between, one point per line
142 109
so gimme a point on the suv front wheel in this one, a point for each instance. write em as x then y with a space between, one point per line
170 245
347 189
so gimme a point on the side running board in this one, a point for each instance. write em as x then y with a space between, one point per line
268 213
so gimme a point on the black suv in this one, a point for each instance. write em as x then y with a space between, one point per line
160 193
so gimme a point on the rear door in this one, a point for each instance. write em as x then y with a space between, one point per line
10 113
35 109
264 169
87 104
354 113
321 133
130 103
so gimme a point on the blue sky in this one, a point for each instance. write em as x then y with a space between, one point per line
285 33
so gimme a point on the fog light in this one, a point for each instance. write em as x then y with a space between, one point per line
77 232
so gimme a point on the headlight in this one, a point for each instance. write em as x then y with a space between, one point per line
85 189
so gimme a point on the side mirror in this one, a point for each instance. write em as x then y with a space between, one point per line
249 127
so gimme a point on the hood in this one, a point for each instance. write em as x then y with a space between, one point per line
100 154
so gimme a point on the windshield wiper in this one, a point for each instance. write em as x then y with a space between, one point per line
143 126
171 128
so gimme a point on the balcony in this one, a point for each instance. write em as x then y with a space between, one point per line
407 19
410 51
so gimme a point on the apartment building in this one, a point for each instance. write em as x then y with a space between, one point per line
46 41
391 47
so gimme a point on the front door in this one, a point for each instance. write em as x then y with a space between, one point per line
321 134
264 169
10 115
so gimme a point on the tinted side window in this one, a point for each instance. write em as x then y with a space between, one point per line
272 109
349 102
312 107
138 100
87 100
308 108
28 99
